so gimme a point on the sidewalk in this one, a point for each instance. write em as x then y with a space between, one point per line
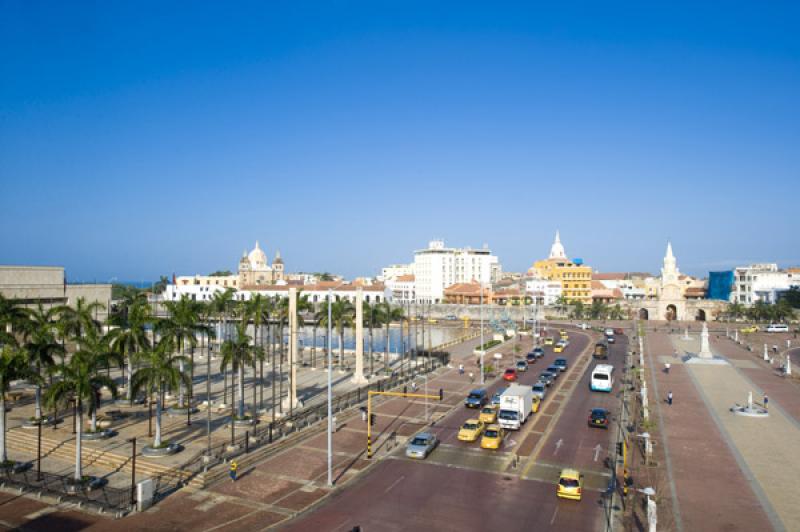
712 491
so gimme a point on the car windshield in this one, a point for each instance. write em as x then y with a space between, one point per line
492 433
475 396
561 361
569 482
538 387
419 441
509 371
600 377
508 415
487 411
598 413
470 426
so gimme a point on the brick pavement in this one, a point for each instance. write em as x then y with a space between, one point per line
713 492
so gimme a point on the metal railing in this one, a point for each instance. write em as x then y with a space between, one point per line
63 488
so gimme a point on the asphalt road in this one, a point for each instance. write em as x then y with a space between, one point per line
462 487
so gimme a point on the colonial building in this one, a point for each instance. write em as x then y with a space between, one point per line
574 277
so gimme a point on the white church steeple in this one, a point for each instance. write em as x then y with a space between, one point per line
557 250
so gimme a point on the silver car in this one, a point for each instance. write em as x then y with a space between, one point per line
421 445
540 390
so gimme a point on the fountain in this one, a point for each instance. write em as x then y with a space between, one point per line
750 410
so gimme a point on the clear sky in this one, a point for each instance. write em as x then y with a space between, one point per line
139 138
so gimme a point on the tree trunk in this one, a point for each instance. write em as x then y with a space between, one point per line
38 410
280 369
3 453
272 379
371 356
78 442
386 349
157 440
129 376
181 368
94 420
341 348
241 391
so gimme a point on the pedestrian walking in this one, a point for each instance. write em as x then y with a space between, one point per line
669 398
471 377
461 369
364 414
233 470
666 368
766 402
413 387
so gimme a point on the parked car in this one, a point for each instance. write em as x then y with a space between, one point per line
539 390
570 482
598 417
561 364
750 329
451 317
521 365
510 375
476 398
421 445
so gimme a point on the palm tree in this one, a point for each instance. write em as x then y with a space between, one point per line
182 327
735 310
238 353
343 314
157 372
386 314
82 316
12 316
81 381
13 366
40 345
369 321
598 310
131 336
561 304
259 310
97 346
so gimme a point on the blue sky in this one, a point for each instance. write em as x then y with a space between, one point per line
139 139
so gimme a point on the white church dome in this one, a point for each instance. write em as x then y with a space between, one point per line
258 259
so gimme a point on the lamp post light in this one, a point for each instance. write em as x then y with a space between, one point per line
330 393
482 350
133 470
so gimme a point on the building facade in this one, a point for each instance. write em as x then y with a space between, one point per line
47 285
437 267
575 278
759 282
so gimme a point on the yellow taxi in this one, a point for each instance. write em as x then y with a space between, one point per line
537 402
488 414
548 341
563 334
492 437
471 430
559 348
751 329
570 482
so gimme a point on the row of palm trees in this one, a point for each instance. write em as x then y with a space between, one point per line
761 311
152 350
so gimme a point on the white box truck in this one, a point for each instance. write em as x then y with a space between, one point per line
515 406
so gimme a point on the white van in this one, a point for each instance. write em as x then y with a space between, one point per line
777 327
602 378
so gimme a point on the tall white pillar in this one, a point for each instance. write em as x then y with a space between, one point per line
358 376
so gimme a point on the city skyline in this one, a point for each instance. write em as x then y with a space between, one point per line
347 138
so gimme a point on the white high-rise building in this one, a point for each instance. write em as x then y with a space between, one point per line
437 267
759 282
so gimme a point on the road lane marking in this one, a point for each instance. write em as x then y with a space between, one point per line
554 516
395 483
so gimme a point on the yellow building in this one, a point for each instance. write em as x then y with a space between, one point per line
575 279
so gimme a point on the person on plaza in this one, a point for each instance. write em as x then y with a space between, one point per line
364 414
666 368
766 402
471 377
669 398
233 470
461 369
413 387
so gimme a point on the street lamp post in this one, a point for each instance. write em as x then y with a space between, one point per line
481 347
208 397
39 453
330 393
133 470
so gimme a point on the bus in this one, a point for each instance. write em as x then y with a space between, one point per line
602 378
